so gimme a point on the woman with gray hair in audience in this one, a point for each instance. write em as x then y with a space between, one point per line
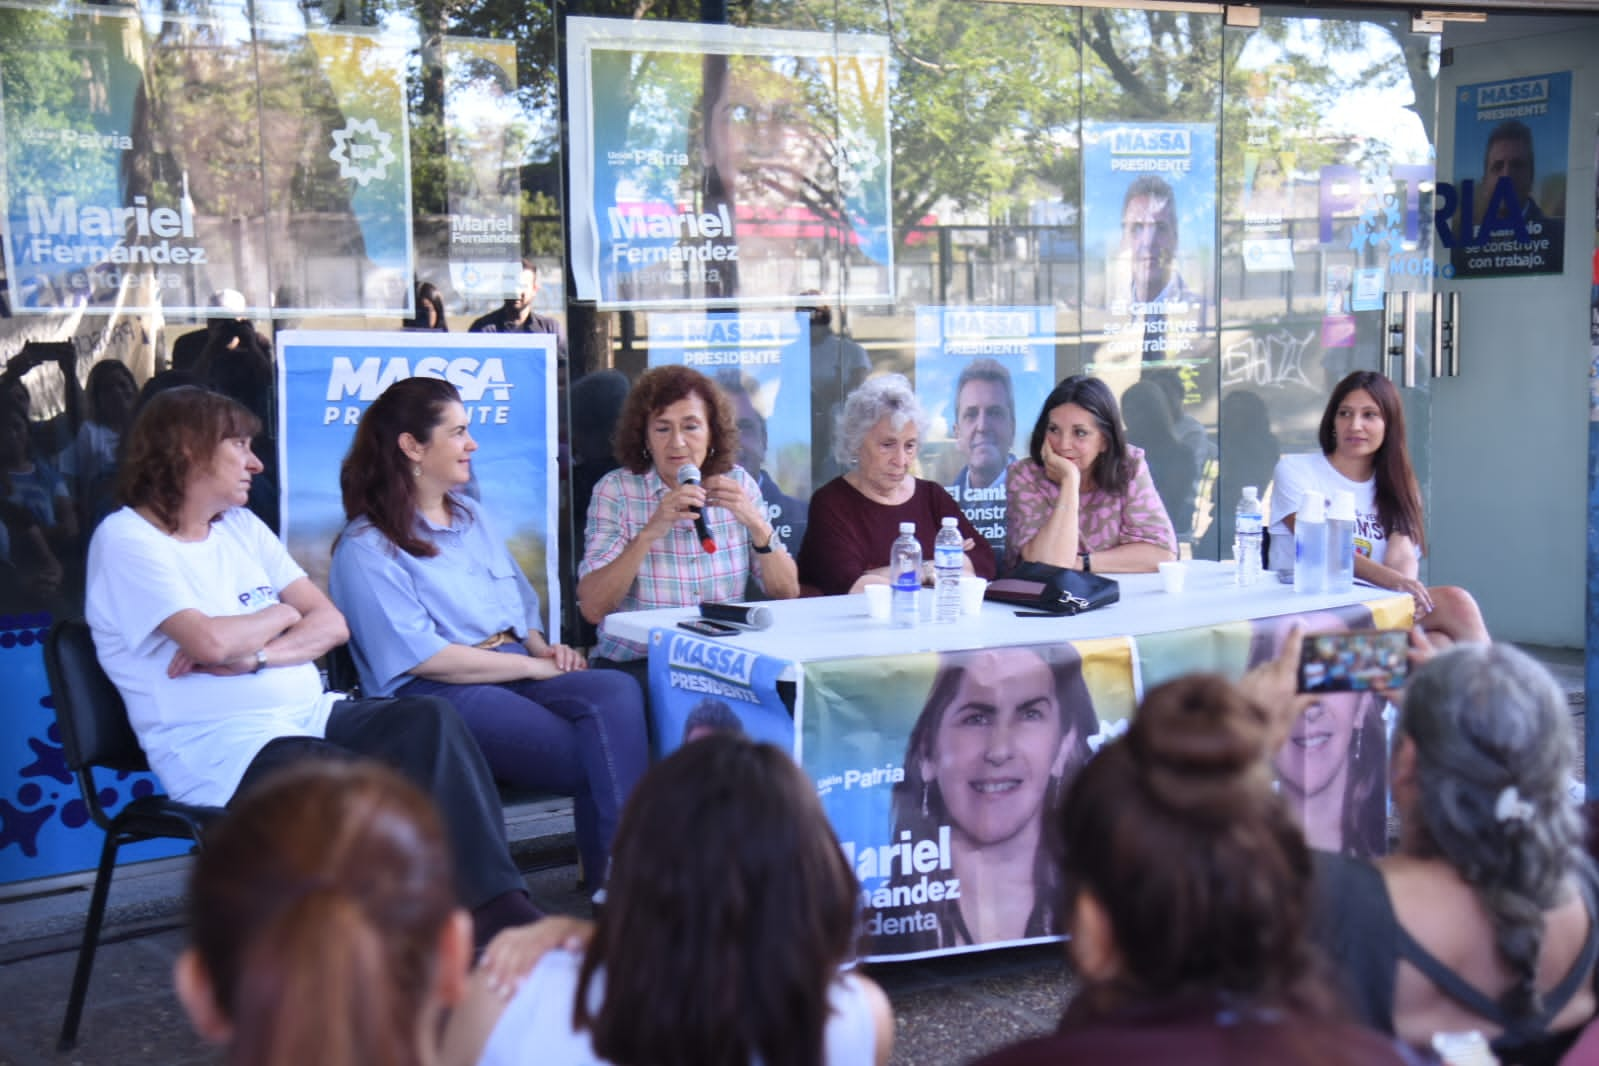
1484 919
855 518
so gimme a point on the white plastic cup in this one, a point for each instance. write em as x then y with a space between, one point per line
1174 575
878 601
972 589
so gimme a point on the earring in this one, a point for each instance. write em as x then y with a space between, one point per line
924 799
416 469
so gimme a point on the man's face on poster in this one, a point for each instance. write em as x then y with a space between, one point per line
1509 157
751 434
985 429
1149 238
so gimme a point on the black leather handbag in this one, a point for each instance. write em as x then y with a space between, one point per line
1055 589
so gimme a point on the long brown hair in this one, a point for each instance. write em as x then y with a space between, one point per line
175 433
376 479
1205 878
1398 493
316 908
728 912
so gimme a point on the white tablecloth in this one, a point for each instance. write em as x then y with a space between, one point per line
833 627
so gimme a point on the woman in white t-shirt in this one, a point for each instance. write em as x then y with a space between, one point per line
1363 452
729 918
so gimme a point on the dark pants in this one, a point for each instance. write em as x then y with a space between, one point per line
638 670
579 734
425 740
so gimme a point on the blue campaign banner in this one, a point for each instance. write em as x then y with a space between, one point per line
1509 218
131 179
727 166
937 769
44 824
982 374
507 384
1149 235
700 685
759 360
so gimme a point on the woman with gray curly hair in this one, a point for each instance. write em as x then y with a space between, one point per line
1486 918
855 518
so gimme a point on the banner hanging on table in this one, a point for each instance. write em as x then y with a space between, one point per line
1509 218
1333 771
507 385
932 766
758 359
157 193
727 167
700 686
981 372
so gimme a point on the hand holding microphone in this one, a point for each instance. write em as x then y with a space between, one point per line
689 474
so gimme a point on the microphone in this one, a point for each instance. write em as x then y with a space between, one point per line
750 615
689 474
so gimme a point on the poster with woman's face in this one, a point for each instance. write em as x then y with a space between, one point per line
942 774
1333 770
725 166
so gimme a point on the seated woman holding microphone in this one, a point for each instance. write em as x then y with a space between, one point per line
855 518
437 606
680 523
1363 452
1084 498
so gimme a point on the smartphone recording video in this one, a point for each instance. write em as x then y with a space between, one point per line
1354 662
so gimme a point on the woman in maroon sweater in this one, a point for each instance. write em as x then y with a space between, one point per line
855 518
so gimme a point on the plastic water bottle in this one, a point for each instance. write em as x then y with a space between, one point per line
1310 545
905 564
1246 536
1341 542
948 559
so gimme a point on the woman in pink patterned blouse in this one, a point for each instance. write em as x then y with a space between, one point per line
1083 497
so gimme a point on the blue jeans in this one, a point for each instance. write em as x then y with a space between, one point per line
579 734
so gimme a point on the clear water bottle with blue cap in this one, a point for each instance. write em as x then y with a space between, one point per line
905 569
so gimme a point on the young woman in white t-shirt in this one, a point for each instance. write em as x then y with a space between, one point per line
1363 452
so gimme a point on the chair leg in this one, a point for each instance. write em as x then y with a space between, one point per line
91 940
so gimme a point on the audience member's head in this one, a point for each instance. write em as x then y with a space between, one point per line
728 912
1185 872
429 309
1483 756
324 922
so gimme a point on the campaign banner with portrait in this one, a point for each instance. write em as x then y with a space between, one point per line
1149 233
982 375
1510 216
936 768
758 359
163 191
486 136
725 166
507 385
1333 770
700 686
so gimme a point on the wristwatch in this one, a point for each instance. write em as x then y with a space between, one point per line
771 539
1088 561
260 660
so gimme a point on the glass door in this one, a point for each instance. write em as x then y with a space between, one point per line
1328 134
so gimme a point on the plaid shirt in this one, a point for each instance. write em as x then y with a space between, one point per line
677 572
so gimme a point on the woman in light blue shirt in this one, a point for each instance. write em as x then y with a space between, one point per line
437 606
